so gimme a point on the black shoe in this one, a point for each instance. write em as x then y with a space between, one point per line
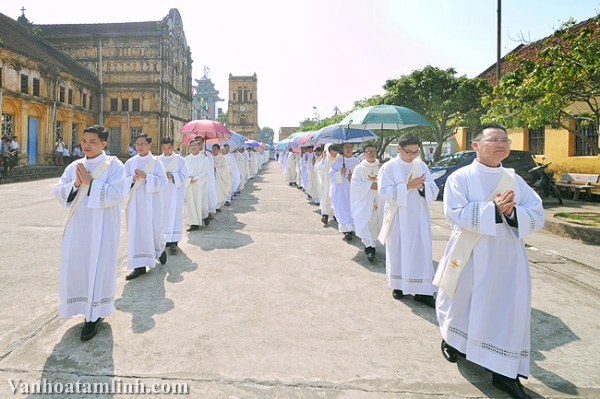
219 210
227 203
325 219
511 386
90 329
398 294
298 187
206 221
138 271
290 184
370 251
193 227
162 259
348 236
428 300
450 354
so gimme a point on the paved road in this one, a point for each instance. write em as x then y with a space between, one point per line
268 303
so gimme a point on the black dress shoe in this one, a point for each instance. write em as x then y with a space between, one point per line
206 221
370 251
428 300
193 227
219 210
511 386
348 236
227 203
450 353
398 294
90 329
162 259
138 271
325 219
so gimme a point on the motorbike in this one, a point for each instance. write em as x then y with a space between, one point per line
545 185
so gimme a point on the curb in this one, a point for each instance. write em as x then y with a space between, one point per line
589 235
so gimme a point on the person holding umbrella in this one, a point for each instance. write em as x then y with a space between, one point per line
340 175
406 186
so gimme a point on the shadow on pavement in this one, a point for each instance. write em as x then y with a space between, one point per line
183 264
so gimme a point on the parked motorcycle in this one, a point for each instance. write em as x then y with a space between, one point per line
545 185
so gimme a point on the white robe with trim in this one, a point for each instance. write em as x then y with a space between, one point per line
489 317
408 250
290 167
323 169
366 207
211 184
234 174
196 194
222 183
316 178
172 197
340 192
146 238
88 260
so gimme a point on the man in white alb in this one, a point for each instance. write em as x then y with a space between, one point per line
196 192
340 175
222 182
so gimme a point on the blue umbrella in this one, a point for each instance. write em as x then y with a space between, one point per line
340 134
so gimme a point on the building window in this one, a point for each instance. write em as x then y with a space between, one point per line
125 104
59 130
245 95
135 105
24 83
61 95
234 96
0 76
239 94
83 100
537 140
114 104
7 125
74 140
71 96
90 104
133 133
114 140
242 119
36 87
582 148
251 97
468 139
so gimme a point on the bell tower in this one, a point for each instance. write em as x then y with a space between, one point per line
242 108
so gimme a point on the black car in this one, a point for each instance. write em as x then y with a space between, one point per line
520 161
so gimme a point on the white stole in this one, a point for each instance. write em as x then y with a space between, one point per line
83 188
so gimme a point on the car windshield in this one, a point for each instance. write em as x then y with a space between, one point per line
452 160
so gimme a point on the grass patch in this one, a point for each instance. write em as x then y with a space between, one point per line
591 219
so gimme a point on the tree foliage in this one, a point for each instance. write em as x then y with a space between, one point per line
447 101
266 135
560 84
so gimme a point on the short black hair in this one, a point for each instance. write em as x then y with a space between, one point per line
216 146
478 133
167 140
408 139
144 136
368 146
98 129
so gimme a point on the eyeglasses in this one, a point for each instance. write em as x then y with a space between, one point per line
370 152
497 141
140 144
411 152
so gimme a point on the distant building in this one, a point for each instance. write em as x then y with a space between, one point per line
205 97
242 111
284 132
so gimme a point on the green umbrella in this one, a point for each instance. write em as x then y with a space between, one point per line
391 117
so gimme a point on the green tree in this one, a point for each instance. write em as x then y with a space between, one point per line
447 101
222 117
561 84
266 135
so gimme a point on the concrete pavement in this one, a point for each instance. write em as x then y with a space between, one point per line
268 303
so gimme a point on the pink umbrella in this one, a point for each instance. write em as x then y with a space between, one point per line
205 128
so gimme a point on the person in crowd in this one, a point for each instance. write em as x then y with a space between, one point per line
172 196
93 189
367 210
196 192
222 183
234 173
315 177
407 187
59 149
323 168
66 155
146 239
132 152
340 175
484 301
14 148
5 155
77 152
239 159
290 168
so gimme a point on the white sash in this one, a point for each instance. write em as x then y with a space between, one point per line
447 276
138 182
390 210
171 164
83 188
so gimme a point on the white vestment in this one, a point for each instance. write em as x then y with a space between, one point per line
234 174
196 194
408 260
88 260
239 159
489 316
290 167
146 238
222 183
323 169
246 155
316 178
211 184
367 208
340 192
172 196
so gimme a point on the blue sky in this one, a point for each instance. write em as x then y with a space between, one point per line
327 53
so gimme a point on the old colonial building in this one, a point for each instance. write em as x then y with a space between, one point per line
242 110
131 77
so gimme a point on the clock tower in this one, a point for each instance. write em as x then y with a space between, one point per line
242 109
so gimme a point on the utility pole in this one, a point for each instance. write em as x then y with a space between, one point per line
499 34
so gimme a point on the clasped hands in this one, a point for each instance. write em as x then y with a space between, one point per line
506 201
82 176
417 182
139 174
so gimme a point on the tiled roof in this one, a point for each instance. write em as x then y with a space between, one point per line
526 51
108 28
15 37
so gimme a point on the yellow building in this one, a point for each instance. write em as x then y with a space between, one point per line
242 110
133 78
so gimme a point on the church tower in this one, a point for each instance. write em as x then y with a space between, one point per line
242 109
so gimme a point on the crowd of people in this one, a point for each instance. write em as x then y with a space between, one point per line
490 208
153 191
9 153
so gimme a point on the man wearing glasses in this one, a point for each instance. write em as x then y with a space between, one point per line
407 187
484 301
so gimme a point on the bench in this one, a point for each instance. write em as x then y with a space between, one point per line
578 182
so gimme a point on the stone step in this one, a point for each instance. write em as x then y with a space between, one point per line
31 172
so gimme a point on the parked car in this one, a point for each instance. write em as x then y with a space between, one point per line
520 161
